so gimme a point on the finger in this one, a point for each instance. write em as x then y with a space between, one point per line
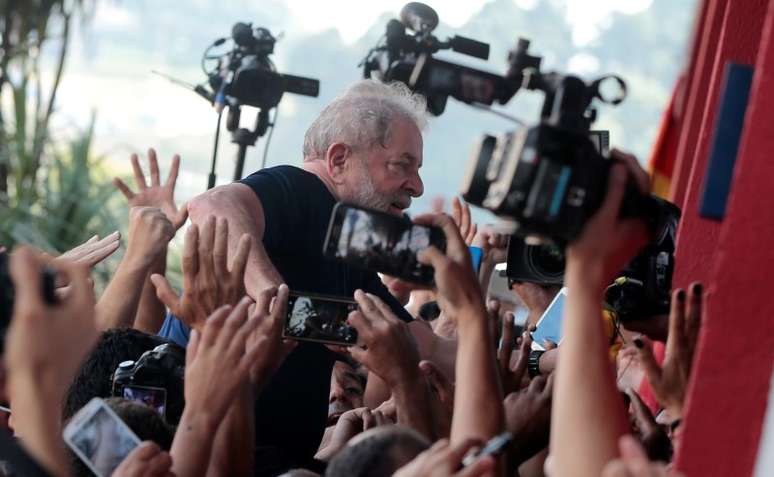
357 320
521 364
220 248
382 308
193 346
190 257
181 217
97 255
165 293
239 260
506 342
471 234
213 326
457 452
456 212
159 464
548 344
641 411
693 318
173 170
139 177
465 218
125 190
455 245
367 307
145 451
630 448
231 334
263 301
206 246
641 178
154 167
480 467
549 389
648 361
616 468
280 304
537 384
675 338
369 421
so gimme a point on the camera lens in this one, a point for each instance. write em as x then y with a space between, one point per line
546 261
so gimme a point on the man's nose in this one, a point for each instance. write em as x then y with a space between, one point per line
414 185
337 394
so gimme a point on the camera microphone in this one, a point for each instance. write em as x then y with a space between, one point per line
419 17
470 47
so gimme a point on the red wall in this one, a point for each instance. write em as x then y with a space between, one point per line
729 390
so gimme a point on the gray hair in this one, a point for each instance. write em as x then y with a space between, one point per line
362 116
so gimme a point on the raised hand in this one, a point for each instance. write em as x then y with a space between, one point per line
444 460
512 376
652 436
350 424
670 381
461 216
146 460
155 195
94 250
208 282
149 233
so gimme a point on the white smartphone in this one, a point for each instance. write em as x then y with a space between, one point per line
549 327
99 437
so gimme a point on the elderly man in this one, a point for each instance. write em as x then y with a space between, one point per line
364 148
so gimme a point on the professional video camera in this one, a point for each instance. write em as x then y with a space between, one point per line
643 289
156 379
408 58
245 75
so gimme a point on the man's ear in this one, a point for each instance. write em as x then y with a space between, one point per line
336 160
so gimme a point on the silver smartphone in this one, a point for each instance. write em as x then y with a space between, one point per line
99 437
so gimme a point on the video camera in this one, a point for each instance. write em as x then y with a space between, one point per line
155 379
408 58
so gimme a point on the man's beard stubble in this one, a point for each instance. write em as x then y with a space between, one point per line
367 195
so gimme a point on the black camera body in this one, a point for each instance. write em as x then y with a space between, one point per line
408 58
643 289
248 76
162 367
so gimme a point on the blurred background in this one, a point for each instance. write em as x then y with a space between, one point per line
78 96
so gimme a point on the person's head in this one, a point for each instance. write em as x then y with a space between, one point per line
146 423
94 379
369 142
377 452
347 388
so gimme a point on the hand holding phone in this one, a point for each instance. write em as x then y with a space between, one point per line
381 242
549 327
99 437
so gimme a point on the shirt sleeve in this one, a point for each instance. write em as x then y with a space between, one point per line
174 330
274 191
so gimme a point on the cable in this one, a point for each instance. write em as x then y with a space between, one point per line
211 178
268 137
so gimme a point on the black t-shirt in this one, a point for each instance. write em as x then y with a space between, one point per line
292 412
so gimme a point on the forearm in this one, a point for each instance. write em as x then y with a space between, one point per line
151 311
233 448
192 446
412 405
585 394
37 418
117 307
244 213
478 411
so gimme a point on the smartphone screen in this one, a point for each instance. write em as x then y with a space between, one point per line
99 437
549 327
381 242
155 398
320 318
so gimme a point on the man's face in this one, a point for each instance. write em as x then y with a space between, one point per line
388 176
346 391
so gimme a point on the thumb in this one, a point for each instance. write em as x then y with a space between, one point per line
431 256
165 293
649 363
181 217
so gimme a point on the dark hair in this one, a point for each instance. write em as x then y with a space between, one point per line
142 420
379 454
95 376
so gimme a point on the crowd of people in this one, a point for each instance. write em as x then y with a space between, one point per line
441 381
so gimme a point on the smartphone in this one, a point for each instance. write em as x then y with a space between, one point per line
549 327
153 397
99 437
381 242
494 447
320 318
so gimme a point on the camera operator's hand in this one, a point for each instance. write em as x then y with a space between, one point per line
461 216
386 346
146 460
93 251
270 311
608 241
670 381
634 463
512 376
528 417
208 283
45 345
459 294
157 195
149 233
444 460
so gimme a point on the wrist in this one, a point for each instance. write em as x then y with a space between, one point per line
138 261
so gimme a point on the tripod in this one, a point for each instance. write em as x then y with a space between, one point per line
242 137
